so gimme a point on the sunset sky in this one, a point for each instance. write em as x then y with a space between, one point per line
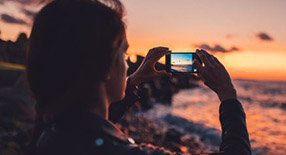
248 36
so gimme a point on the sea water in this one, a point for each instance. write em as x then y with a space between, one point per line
264 104
181 68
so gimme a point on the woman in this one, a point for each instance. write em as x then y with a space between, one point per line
77 73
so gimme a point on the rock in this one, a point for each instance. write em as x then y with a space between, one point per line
146 130
173 135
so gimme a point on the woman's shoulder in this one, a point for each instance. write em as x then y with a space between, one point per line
77 142
90 135
86 133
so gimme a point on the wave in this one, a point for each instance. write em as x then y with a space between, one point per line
195 111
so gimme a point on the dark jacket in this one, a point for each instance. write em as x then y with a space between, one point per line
82 133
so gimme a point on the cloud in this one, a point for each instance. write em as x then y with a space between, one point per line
234 49
28 13
217 48
12 20
24 1
264 36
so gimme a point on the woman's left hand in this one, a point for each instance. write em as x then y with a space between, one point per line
147 70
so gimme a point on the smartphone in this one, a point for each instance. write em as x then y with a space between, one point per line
181 62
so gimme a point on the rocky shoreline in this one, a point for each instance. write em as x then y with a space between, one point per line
14 137
17 112
17 115
147 130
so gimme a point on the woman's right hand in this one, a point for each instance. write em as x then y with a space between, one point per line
147 71
215 76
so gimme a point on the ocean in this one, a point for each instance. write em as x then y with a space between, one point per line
181 68
264 104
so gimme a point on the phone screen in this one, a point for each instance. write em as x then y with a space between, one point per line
181 62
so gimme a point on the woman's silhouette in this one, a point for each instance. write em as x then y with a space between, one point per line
77 73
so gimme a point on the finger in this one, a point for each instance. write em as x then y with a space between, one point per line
209 56
160 55
203 57
212 60
164 73
163 48
198 66
154 51
204 51
206 75
218 62
150 53
159 50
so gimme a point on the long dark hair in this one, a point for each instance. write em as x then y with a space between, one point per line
71 41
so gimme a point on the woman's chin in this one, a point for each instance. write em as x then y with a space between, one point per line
123 95
118 98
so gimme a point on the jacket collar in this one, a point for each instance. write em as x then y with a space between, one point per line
91 122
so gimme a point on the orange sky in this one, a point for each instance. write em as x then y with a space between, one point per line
181 25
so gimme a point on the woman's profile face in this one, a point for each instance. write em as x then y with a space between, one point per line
116 84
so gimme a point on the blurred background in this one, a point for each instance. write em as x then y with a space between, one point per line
249 38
